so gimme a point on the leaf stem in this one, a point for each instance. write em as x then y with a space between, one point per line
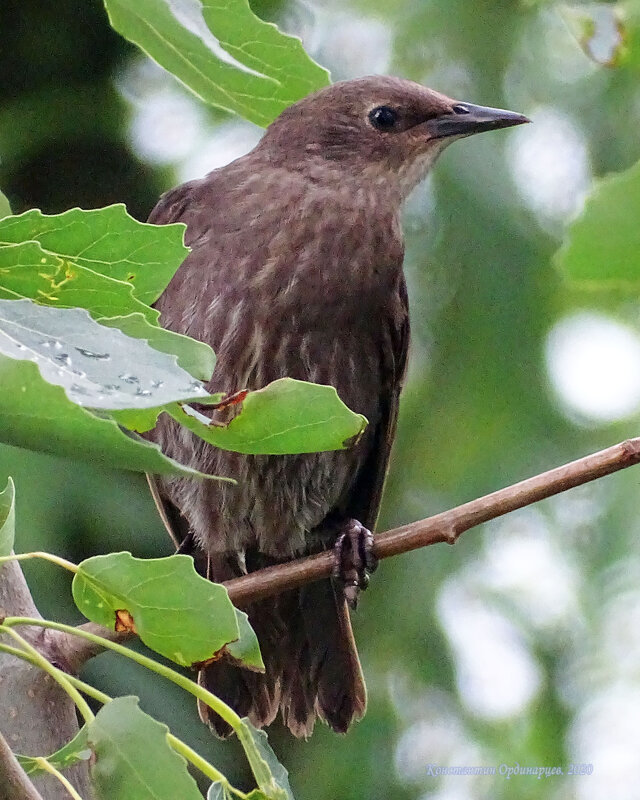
58 675
202 764
221 708
61 562
47 767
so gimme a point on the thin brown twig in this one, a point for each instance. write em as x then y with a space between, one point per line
444 527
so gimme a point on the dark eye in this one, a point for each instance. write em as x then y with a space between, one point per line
383 118
460 109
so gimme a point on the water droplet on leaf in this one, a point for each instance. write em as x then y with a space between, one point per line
91 354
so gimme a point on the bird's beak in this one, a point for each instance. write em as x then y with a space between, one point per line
467 119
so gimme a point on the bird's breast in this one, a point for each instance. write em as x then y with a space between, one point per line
297 286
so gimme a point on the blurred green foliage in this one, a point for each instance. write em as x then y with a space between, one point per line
479 410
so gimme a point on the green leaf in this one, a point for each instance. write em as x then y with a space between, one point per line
142 420
5 208
138 420
98 367
222 52
598 29
287 416
272 778
175 611
133 760
196 357
107 241
246 650
602 246
73 752
8 518
630 30
28 271
218 791
38 416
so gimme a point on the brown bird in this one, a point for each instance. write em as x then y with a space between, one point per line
295 270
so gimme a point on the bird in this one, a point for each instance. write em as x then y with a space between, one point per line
295 270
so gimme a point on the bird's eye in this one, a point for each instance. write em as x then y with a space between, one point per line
383 118
460 109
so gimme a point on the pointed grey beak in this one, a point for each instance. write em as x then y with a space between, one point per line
466 119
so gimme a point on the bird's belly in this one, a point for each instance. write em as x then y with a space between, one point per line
275 504
278 500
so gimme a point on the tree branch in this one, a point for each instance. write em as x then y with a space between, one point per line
14 784
444 527
36 716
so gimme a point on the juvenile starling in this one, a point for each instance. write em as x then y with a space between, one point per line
295 270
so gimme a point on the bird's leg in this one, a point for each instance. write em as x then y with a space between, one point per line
354 559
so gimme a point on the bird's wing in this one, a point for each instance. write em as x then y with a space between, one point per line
363 503
170 208
174 522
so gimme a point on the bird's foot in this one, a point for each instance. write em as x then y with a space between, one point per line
354 559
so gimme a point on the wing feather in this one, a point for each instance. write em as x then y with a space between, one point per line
363 503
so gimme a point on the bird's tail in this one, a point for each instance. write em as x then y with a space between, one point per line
311 661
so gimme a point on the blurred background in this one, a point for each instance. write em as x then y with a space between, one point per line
521 644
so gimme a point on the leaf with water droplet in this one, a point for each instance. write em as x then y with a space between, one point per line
26 329
39 416
196 357
28 271
91 354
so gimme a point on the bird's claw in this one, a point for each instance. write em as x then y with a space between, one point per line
354 560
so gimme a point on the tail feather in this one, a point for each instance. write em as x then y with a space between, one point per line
312 666
340 702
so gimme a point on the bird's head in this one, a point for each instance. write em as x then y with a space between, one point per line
379 127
